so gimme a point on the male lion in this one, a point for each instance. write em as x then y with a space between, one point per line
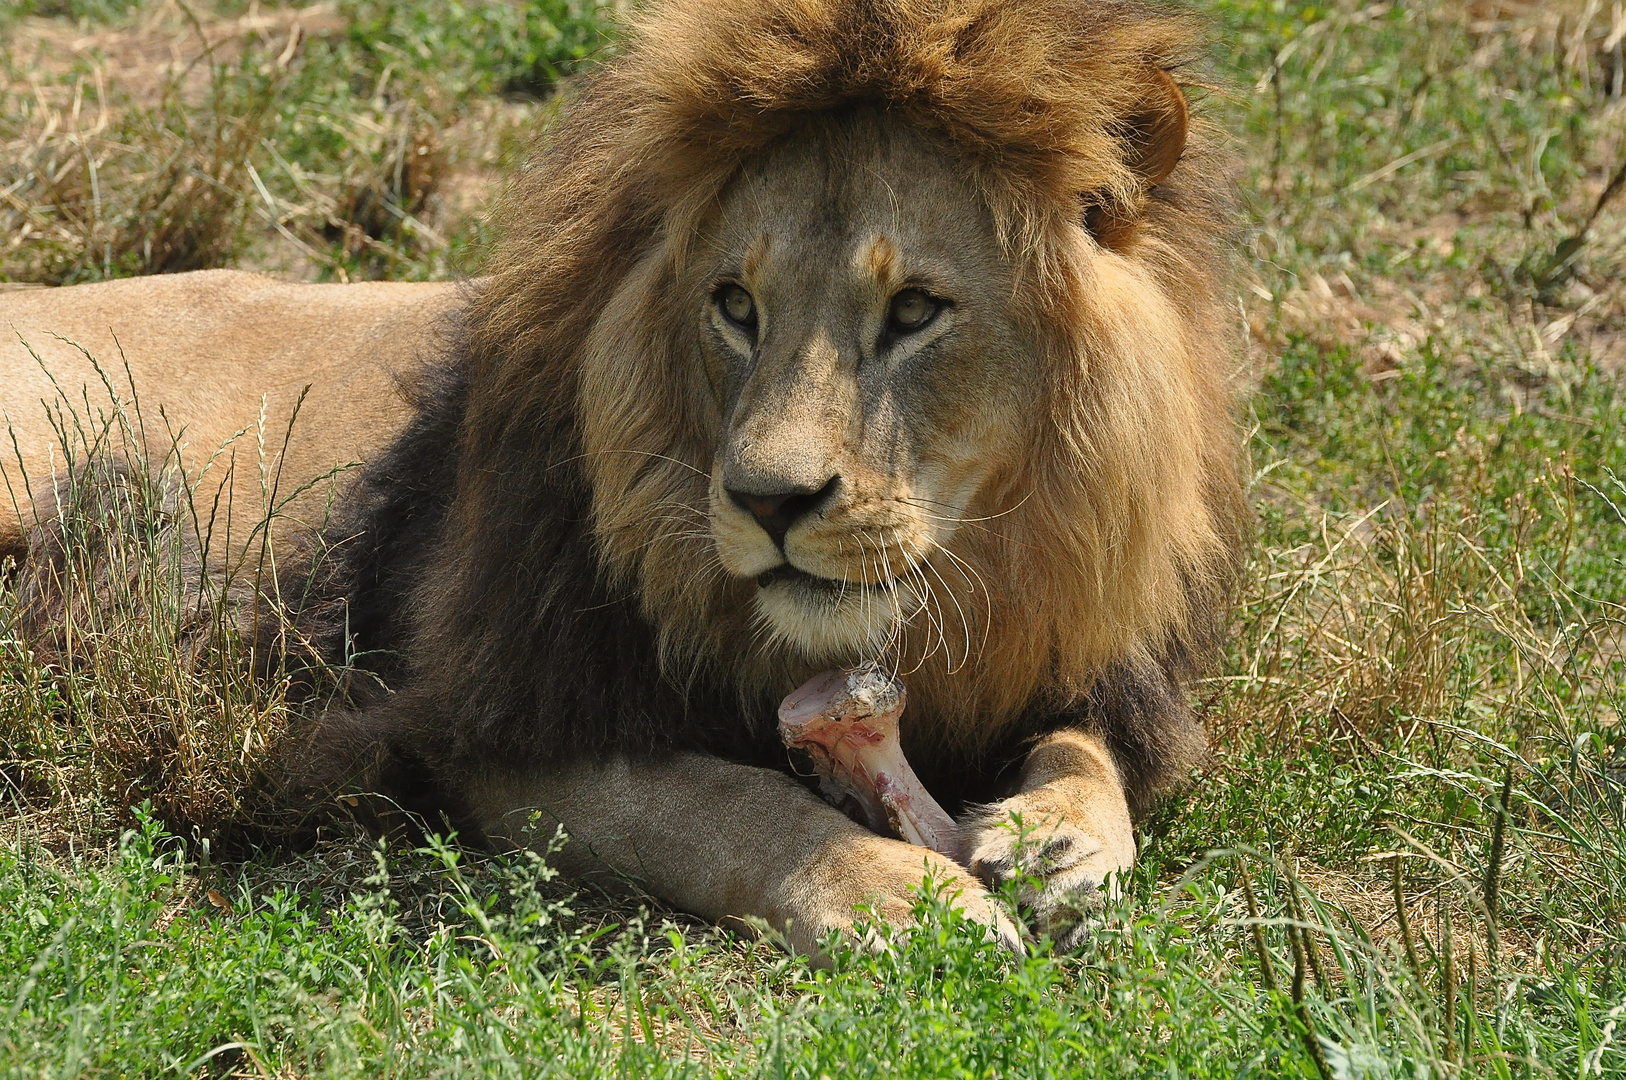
824 331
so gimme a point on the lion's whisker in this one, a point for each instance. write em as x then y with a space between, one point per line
618 450
925 602
963 520
900 621
926 608
867 599
941 620
686 528
973 522
965 624
841 552
893 640
905 623
703 538
964 567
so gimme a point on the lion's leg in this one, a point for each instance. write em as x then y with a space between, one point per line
724 840
1067 829
1130 738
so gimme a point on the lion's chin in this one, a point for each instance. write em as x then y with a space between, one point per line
827 621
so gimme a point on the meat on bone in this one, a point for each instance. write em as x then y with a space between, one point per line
847 721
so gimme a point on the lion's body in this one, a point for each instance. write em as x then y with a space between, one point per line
214 363
824 332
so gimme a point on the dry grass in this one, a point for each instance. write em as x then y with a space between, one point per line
127 666
93 190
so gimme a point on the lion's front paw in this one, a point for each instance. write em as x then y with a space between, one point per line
1067 858
884 875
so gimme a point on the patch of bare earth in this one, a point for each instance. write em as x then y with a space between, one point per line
1575 309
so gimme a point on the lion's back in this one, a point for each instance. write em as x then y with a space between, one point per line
215 363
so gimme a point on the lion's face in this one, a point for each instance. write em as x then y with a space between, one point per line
854 311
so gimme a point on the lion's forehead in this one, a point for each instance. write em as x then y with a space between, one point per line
871 197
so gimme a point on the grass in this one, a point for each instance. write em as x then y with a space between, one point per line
1408 855
164 139
133 685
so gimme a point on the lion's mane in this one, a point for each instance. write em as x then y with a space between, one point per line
527 550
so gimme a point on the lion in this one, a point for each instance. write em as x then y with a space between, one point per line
822 332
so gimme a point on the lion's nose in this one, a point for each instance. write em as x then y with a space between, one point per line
777 511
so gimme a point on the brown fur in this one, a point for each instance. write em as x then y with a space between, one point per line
211 365
1128 515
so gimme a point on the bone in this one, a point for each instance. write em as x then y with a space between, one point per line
847 721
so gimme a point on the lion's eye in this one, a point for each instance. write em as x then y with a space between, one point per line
737 306
911 310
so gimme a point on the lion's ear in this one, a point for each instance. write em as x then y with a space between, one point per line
1156 132
1154 137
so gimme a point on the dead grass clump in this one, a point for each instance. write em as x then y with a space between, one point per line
127 669
375 208
1369 627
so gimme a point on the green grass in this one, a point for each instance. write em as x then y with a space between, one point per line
1428 667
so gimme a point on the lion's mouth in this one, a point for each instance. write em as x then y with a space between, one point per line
787 574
